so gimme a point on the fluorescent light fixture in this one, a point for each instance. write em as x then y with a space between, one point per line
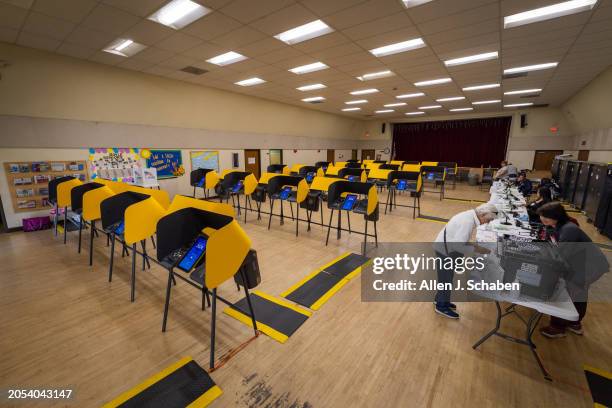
311 87
313 99
479 87
250 82
384 111
410 95
430 107
391 105
179 13
227 58
451 98
364 91
472 58
304 32
304 69
486 102
523 91
414 3
549 12
529 68
356 102
461 109
396 48
124 47
375 75
414 113
350 109
433 82
518 105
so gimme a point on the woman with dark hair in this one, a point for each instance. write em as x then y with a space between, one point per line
544 197
585 261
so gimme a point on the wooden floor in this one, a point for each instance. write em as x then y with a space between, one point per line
63 325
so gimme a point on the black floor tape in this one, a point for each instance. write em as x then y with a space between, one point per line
600 384
281 317
432 218
173 387
346 265
314 289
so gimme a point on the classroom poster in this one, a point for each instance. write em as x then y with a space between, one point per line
205 159
168 163
114 163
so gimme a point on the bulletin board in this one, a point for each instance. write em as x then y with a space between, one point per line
205 159
168 163
115 164
28 182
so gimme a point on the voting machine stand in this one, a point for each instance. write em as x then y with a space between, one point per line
227 248
197 178
450 174
413 185
230 187
274 190
53 197
63 191
434 175
112 212
76 202
367 204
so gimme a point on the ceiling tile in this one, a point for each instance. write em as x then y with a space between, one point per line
12 16
239 37
204 51
71 10
134 64
261 47
46 26
284 19
106 58
109 19
440 8
282 54
25 4
37 41
326 7
89 38
179 42
177 62
148 33
141 8
8 35
153 55
363 12
211 26
249 10
76 51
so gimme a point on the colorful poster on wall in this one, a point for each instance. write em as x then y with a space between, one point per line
115 164
205 159
168 163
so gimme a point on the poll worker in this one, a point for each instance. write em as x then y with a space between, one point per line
544 197
524 185
455 240
585 264
507 170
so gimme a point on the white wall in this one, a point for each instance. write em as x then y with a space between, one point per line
302 156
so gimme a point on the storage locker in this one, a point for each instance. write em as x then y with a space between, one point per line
554 170
567 179
597 182
603 219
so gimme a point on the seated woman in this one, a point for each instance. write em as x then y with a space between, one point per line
585 265
544 197
524 185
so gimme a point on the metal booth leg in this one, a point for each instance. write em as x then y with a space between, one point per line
91 237
80 232
133 281
271 211
167 304
212 329
331 215
65 223
248 297
112 258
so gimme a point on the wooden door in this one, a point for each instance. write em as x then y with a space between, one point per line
331 155
368 154
543 159
354 154
583 155
252 161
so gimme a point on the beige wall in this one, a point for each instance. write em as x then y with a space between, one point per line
41 84
591 107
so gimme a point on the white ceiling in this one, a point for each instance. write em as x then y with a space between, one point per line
581 43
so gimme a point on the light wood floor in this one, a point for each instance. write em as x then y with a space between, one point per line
63 325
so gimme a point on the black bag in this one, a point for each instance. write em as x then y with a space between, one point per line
259 195
311 203
250 267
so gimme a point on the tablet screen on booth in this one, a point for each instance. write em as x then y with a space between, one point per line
194 254
238 186
353 178
120 228
201 182
285 193
309 177
430 176
349 202
401 184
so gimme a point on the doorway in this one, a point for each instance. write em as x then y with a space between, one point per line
276 156
252 161
583 155
368 154
354 154
331 155
543 159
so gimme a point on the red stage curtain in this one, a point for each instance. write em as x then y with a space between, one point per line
469 142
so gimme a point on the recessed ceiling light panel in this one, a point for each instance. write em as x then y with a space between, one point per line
364 91
431 82
313 99
430 107
529 68
451 98
179 13
396 48
392 105
549 12
471 59
518 105
124 47
351 109
523 91
356 102
304 69
479 87
311 87
250 82
461 109
414 113
384 111
304 32
375 75
227 58
486 102
414 3
410 95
